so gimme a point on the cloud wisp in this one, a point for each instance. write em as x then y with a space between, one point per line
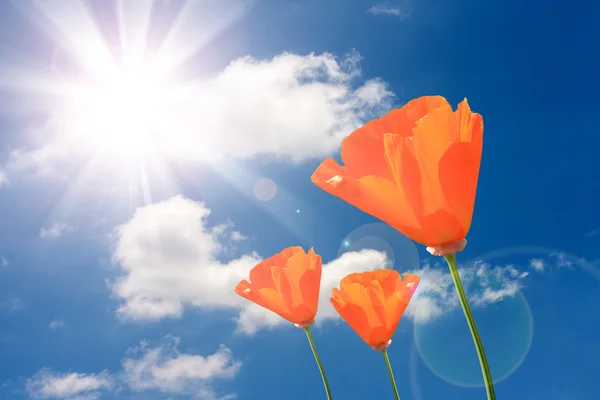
47 384
55 231
144 369
399 9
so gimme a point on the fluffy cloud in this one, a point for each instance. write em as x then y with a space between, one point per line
165 369
47 384
55 231
292 107
168 257
537 264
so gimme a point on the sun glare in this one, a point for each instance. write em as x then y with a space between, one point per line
122 115
120 103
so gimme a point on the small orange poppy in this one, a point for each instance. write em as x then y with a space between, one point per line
287 284
373 302
415 168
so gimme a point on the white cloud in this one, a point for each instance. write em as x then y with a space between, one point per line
400 9
561 260
552 263
168 257
237 236
47 384
56 230
169 260
57 323
537 264
3 262
484 284
292 107
165 369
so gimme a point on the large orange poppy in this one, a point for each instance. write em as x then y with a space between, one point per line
288 284
415 168
373 302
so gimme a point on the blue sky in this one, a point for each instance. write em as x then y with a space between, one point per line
119 251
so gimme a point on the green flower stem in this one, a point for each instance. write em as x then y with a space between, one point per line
389 368
318 360
485 368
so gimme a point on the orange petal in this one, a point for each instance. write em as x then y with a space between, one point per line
363 152
459 167
415 162
431 140
244 289
310 283
410 282
441 227
356 317
272 300
286 283
379 335
374 195
377 303
389 284
295 269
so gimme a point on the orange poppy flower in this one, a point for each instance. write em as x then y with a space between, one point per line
373 302
415 168
287 284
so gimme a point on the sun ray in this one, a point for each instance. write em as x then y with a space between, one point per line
134 23
72 26
203 20
119 121
20 79
146 191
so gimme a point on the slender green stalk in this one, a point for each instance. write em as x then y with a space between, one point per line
318 360
485 368
389 368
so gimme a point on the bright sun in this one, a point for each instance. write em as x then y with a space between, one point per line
121 103
125 114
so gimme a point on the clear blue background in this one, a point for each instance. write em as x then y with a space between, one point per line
530 68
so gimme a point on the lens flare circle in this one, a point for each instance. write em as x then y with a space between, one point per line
446 347
506 326
400 250
265 189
